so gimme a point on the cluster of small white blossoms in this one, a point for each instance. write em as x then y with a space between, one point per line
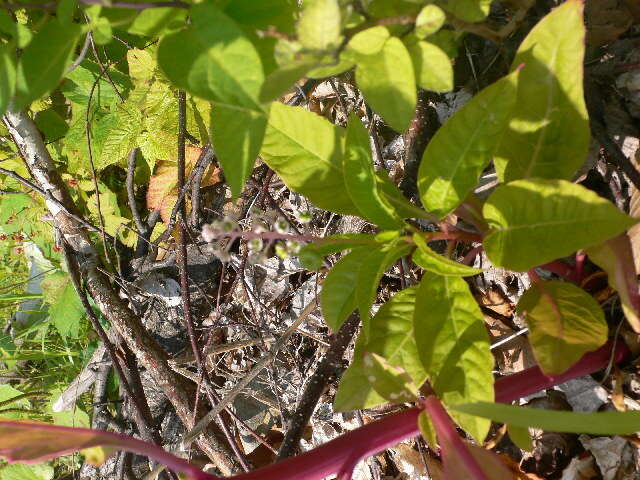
220 234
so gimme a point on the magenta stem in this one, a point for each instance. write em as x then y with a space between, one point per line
450 441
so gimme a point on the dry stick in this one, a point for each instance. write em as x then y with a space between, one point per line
131 193
151 356
242 384
184 278
206 157
143 422
316 386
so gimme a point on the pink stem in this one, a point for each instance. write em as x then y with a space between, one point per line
578 272
450 440
561 269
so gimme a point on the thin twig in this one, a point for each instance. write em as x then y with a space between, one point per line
131 193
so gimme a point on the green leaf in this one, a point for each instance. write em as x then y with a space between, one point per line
319 27
615 256
154 21
19 471
521 437
564 323
67 312
432 66
431 261
7 392
454 346
391 336
367 42
264 14
427 429
389 75
463 147
370 273
283 79
467 10
391 383
548 134
65 11
338 296
7 76
305 150
360 177
311 255
536 221
221 64
44 60
429 20
237 134
392 194
597 423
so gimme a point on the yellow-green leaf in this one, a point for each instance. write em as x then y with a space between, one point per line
429 20
454 346
431 261
390 382
7 76
462 148
548 133
521 437
319 27
391 336
467 10
305 150
388 84
535 221
564 323
427 430
432 66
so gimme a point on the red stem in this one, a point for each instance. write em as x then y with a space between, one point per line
450 440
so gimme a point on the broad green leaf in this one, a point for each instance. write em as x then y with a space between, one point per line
432 66
338 296
283 79
221 64
388 84
65 11
391 336
261 15
43 61
597 423
548 134
237 135
429 20
536 221
615 256
394 197
467 10
391 383
101 30
19 471
463 147
360 177
20 33
368 42
67 312
370 272
305 150
7 76
454 346
154 21
319 25
427 430
565 322
521 437
311 255
330 66
79 84
431 261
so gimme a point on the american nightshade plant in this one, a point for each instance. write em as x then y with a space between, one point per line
230 62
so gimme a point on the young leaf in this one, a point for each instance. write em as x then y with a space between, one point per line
367 42
431 261
549 130
237 134
360 177
67 312
427 430
431 64
521 437
615 256
319 25
564 323
311 255
597 423
429 20
535 221
43 61
391 336
388 83
454 346
221 64
463 147
391 383
305 150
7 76
338 296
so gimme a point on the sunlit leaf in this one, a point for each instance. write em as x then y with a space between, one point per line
431 261
319 25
